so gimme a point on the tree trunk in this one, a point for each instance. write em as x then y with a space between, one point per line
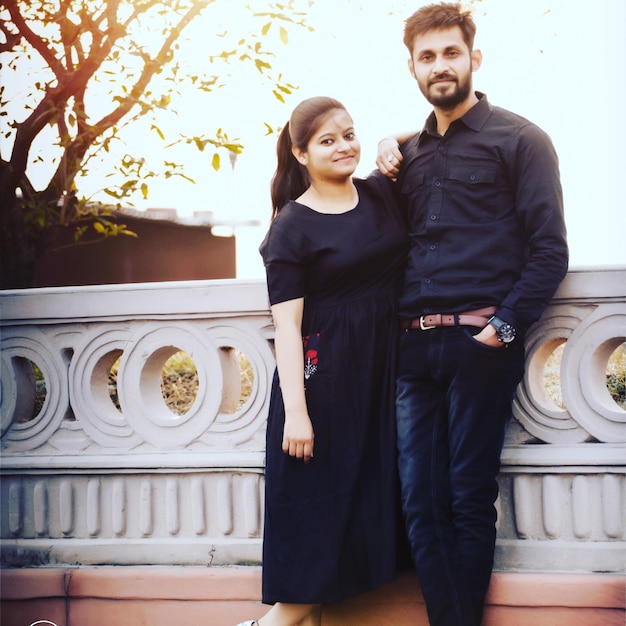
18 256
20 246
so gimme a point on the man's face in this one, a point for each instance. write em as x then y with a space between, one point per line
442 65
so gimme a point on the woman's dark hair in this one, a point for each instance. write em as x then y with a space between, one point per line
291 178
439 17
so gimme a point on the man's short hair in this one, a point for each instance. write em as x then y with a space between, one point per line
440 16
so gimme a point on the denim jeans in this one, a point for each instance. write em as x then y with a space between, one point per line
453 402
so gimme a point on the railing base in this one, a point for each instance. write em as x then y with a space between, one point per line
224 596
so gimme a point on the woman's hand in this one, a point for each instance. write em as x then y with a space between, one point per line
389 157
298 430
298 436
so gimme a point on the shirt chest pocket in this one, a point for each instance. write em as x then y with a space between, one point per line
472 175
475 194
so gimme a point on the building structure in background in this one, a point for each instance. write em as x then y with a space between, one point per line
166 248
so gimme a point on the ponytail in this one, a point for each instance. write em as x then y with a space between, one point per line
291 179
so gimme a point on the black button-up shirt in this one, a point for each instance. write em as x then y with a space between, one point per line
485 211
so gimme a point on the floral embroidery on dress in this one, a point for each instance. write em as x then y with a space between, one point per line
310 343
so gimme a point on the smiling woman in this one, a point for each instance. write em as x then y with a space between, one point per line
334 254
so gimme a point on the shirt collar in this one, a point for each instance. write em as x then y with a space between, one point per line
474 119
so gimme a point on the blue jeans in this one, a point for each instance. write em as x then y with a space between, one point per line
453 403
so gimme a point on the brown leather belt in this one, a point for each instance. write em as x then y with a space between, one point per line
467 318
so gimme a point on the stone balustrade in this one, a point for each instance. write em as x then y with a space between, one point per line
86 481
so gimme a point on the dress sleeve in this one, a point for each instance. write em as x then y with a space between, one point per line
284 256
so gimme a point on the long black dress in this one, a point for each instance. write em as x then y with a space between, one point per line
330 524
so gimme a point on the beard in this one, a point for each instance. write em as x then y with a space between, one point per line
452 96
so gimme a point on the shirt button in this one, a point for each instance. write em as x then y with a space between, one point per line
437 183
433 217
473 177
441 148
427 281
433 247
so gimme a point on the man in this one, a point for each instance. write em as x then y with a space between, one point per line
488 251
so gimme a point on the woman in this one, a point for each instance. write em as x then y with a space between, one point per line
334 256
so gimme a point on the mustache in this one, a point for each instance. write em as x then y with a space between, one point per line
441 78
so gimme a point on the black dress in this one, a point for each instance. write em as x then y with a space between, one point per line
330 525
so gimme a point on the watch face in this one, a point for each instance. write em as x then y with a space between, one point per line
506 333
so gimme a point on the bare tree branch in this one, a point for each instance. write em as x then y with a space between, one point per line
75 40
12 39
34 40
76 150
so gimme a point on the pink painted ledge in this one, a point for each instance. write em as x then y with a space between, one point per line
223 596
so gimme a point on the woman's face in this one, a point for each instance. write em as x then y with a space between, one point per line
333 152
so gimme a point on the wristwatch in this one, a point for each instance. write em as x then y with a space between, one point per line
505 332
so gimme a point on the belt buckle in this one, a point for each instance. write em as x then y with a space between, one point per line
423 326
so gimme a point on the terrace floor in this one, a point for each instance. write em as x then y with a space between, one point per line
224 596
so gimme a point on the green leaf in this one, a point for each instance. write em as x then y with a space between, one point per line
79 232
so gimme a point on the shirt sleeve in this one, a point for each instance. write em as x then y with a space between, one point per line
284 256
534 172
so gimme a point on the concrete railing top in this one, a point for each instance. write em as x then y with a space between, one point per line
74 335
234 296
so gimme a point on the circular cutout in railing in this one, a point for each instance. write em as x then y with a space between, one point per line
585 362
93 381
540 404
32 389
28 421
246 372
112 383
552 376
141 377
238 380
179 382
616 376
247 365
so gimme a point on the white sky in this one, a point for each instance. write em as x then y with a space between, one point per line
560 63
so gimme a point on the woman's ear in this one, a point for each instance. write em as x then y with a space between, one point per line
301 157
